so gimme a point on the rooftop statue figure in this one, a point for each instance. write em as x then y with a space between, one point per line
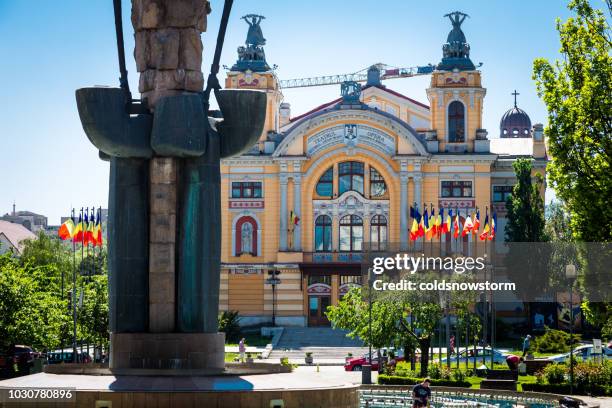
456 51
254 36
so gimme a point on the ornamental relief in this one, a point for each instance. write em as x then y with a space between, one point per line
351 203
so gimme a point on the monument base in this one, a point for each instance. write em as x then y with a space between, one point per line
167 351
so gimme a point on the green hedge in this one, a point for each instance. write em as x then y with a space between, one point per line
565 389
397 380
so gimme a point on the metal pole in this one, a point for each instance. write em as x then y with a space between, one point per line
74 311
571 338
370 317
274 305
447 312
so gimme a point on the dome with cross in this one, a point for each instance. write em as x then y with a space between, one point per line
515 122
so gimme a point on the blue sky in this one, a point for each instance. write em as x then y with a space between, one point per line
49 49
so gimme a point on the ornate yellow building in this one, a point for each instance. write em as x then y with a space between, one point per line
301 204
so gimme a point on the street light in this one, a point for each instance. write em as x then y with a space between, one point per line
273 280
570 275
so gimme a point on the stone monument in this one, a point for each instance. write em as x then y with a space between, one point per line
164 199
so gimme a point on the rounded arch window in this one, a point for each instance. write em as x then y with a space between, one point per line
378 187
456 122
378 233
351 233
246 236
526 131
350 177
323 233
325 186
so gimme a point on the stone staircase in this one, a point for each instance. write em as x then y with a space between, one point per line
328 346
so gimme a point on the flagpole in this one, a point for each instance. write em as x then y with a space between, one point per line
74 315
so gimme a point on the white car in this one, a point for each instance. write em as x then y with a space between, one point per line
584 352
468 355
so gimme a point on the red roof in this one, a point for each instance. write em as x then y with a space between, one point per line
335 101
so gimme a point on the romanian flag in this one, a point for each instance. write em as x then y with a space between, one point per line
98 230
66 230
456 225
485 228
446 227
493 227
476 222
438 231
78 231
414 230
467 226
91 229
293 218
86 232
430 232
424 224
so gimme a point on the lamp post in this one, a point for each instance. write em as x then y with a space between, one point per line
273 280
570 275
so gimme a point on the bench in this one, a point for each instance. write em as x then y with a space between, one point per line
500 380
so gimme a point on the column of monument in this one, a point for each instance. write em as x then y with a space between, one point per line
168 53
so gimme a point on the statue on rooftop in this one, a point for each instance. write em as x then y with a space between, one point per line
254 36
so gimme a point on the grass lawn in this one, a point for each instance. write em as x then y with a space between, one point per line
253 340
229 357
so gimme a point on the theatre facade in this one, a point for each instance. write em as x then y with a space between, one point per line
299 207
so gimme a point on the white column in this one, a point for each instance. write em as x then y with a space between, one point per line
404 211
283 212
297 208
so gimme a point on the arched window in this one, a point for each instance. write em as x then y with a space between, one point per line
378 233
323 231
325 186
378 187
456 122
246 236
350 177
351 233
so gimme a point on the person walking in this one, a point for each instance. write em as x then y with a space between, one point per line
452 344
242 349
526 344
421 394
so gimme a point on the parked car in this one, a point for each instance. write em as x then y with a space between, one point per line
470 355
356 363
17 357
584 352
57 357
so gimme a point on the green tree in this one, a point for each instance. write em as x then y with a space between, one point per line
577 91
525 206
558 223
28 313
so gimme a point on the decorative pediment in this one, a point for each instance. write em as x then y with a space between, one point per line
350 128
351 203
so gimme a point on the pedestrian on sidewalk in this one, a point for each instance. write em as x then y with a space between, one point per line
242 349
526 344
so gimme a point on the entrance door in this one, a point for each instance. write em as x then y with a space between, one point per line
317 306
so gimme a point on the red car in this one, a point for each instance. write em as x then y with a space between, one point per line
355 363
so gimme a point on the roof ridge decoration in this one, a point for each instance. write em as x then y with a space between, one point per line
456 51
252 57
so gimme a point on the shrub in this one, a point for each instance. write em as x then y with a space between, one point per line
228 324
439 372
399 380
554 373
459 375
554 341
402 369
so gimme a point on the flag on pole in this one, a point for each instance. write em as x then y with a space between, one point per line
414 230
467 226
493 227
78 230
476 222
67 229
424 225
431 225
486 228
86 231
447 226
456 225
91 228
98 229
439 222
293 218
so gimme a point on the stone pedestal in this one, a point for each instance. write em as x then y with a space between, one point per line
167 351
